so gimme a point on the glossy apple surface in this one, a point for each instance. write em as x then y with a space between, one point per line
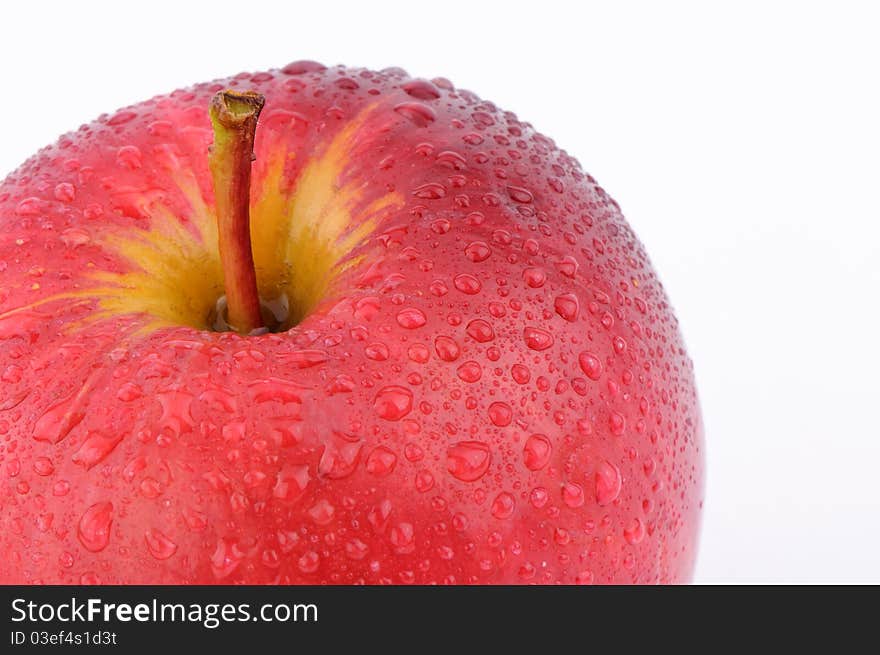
478 377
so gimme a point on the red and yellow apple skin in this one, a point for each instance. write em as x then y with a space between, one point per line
480 379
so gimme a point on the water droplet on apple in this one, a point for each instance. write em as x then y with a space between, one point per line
65 192
339 459
402 538
411 318
28 207
520 373
419 114
572 494
468 460
480 330
122 117
322 512
452 159
95 449
75 236
567 306
129 157
306 358
534 277
57 422
378 352
226 558
159 545
503 506
608 483
467 284
591 365
194 519
477 251
284 391
421 89
537 339
536 452
43 466
634 532
393 402
176 416
616 423
568 266
94 525
500 414
309 562
424 481
538 497
381 461
446 348
291 482
303 66
61 488
89 578
519 194
430 191
470 371
418 353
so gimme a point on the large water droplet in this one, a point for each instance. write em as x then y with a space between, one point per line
339 459
572 494
430 191
520 373
421 89
411 318
424 481
43 466
477 251
467 283
291 483
419 114
303 66
65 192
608 483
468 460
93 530
500 414
376 351
534 277
226 558
57 422
634 532
381 461
159 545
519 194
304 358
480 330
536 452
590 365
470 371
503 506
95 448
447 349
616 423
537 339
567 306
402 538
393 402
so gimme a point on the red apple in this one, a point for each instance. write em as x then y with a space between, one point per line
474 374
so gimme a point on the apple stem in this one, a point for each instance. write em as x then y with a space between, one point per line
234 119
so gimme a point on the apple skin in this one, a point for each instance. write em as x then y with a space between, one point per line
485 382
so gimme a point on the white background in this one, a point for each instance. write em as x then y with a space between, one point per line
743 143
